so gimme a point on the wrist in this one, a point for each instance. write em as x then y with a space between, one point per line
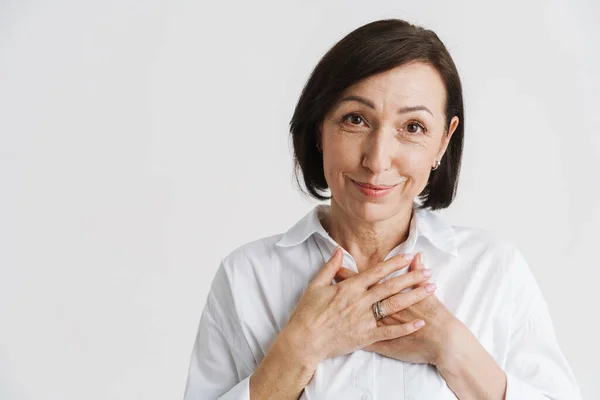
448 362
298 345
449 344
281 371
468 369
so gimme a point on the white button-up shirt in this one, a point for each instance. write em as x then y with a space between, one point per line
483 280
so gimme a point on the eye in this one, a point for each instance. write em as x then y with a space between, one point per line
354 119
413 127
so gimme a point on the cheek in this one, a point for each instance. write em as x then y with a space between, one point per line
341 156
416 160
335 163
414 164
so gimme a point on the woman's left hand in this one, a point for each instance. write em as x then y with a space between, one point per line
428 343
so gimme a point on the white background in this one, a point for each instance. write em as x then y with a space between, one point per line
141 142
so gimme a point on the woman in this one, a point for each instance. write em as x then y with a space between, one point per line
343 304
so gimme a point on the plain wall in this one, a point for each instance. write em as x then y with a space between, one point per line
141 142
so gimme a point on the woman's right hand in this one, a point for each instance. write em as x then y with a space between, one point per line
333 320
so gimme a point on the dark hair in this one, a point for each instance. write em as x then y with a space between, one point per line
371 49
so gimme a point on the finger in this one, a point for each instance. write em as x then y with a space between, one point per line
344 273
331 267
402 301
388 332
373 347
396 285
388 321
377 273
419 264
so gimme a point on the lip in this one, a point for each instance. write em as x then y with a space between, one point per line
374 191
374 187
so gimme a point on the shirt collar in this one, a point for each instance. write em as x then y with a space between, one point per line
424 223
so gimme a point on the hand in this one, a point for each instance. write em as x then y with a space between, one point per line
424 345
332 320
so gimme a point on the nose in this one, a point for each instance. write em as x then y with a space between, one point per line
379 150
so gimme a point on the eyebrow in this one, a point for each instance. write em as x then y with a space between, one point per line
369 103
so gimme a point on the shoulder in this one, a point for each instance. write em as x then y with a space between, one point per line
483 243
255 251
493 254
484 238
503 261
249 260
241 268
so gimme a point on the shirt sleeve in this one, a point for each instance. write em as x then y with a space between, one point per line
536 368
220 365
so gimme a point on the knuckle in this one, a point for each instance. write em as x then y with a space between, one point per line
373 273
342 289
417 275
408 279
389 285
367 276
423 294
417 295
388 331
403 262
394 304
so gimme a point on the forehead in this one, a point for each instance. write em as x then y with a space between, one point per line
417 83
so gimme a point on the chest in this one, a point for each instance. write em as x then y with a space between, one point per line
475 296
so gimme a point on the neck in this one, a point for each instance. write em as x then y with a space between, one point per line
368 242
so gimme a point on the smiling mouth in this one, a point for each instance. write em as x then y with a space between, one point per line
374 187
373 191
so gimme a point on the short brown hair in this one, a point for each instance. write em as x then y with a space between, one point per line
371 49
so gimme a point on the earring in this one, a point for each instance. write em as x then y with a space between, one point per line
319 147
436 165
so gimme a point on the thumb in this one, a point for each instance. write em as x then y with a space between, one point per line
330 269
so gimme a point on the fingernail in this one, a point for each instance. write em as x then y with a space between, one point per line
419 323
409 257
431 287
423 258
427 272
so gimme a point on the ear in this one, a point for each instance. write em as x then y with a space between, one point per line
319 135
446 138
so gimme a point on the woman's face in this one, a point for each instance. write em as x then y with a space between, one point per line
387 131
